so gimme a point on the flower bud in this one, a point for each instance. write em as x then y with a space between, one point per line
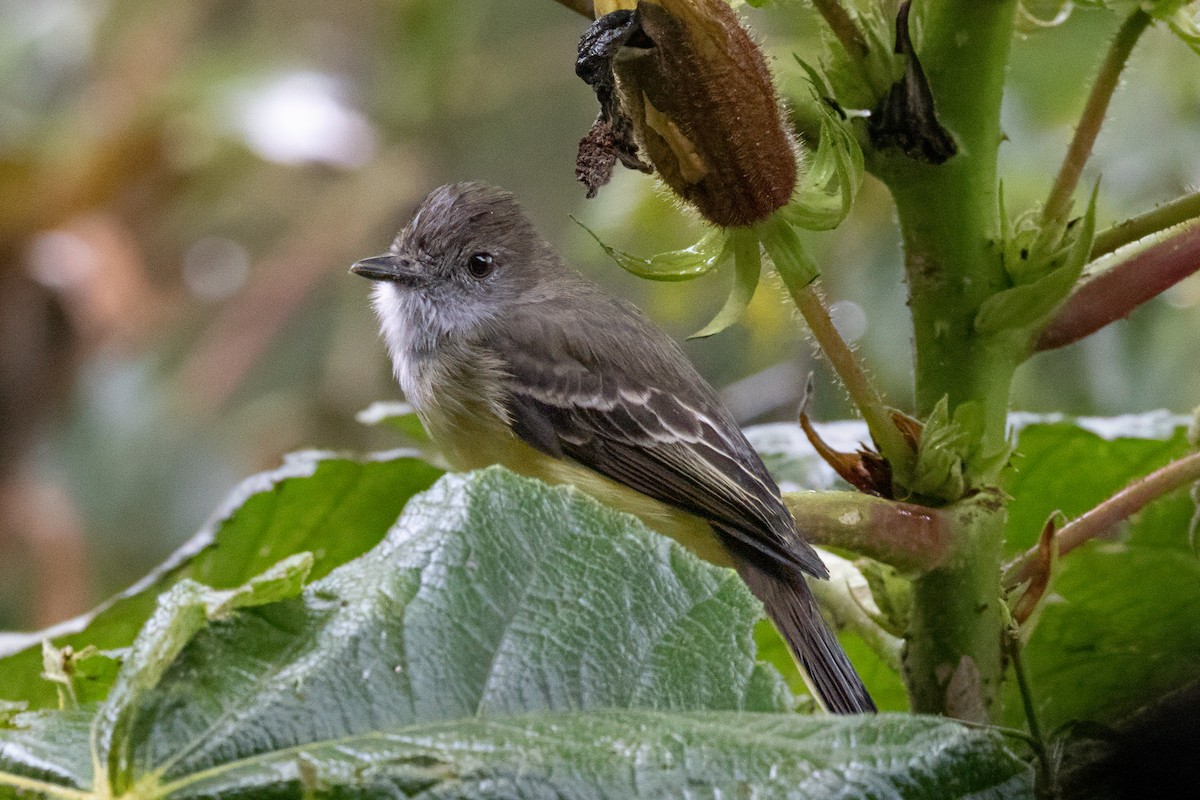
694 89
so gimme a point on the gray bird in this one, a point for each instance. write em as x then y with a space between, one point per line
511 357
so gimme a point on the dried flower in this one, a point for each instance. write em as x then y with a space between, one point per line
682 85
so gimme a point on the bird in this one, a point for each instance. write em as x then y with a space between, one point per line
510 356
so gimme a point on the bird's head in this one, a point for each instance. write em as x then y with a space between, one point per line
469 251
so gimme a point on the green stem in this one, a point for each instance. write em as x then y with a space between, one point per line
1058 203
949 216
1013 639
908 537
949 220
844 28
849 369
1031 718
953 659
1133 229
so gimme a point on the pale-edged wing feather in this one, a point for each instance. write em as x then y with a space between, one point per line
599 384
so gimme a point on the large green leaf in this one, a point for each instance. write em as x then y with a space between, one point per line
332 506
483 650
1119 626
41 751
604 753
1070 466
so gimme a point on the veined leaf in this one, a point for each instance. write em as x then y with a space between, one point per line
333 507
507 639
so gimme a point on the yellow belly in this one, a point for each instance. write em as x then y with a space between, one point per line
484 440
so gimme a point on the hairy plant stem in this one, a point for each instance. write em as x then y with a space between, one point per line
849 369
953 659
1134 229
1058 203
949 223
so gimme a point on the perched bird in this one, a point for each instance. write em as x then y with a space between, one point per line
509 356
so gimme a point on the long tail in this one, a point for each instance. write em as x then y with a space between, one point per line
791 606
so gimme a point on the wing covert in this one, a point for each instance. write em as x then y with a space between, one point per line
647 420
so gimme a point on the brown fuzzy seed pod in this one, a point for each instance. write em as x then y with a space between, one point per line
703 107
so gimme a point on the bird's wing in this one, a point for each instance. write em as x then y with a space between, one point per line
612 392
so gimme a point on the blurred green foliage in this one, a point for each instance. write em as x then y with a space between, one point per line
189 182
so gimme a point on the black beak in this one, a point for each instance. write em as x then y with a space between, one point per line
395 269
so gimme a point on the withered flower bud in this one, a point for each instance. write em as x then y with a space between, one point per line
905 116
682 82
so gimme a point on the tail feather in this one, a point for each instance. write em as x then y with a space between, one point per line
791 606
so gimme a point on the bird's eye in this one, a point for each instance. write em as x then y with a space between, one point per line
481 265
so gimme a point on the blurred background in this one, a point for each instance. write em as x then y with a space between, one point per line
183 186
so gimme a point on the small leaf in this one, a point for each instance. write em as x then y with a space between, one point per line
792 261
939 469
81 677
1027 306
828 186
747 262
1185 23
676 265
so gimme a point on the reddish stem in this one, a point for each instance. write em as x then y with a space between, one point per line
1122 505
1112 295
909 537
